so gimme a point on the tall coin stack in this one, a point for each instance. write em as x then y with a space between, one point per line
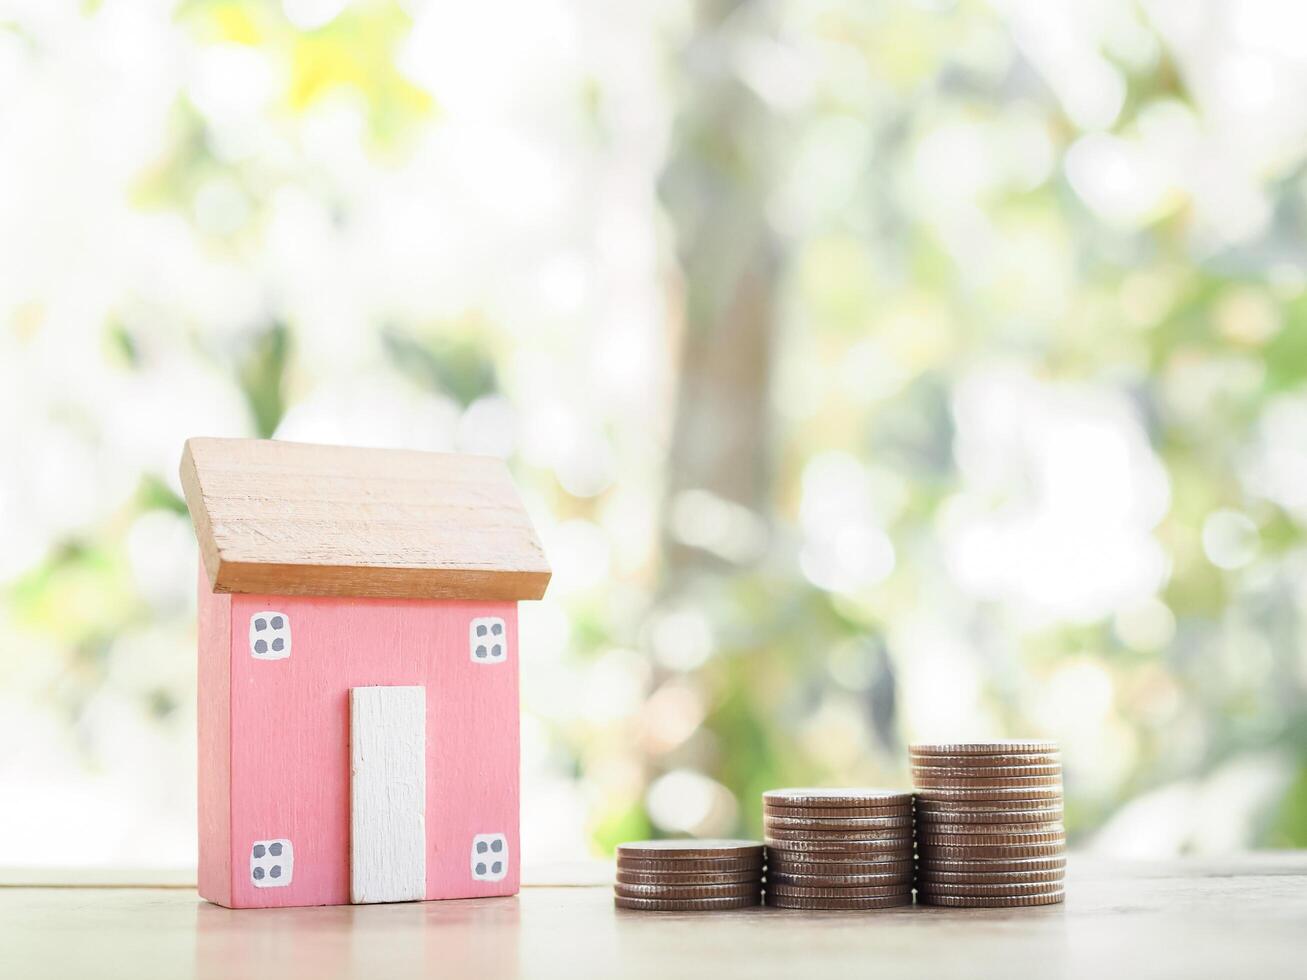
688 875
838 848
989 824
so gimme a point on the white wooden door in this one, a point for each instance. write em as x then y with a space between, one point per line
388 794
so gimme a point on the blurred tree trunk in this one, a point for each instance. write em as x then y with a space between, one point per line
715 188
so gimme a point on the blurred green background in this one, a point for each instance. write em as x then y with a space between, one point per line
875 372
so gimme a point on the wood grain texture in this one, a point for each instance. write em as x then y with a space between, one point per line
388 794
284 518
214 722
290 731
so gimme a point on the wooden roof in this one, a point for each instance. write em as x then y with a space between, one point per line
287 518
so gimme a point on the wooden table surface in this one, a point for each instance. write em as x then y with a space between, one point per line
1241 917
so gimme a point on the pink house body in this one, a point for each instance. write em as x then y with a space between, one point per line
358 677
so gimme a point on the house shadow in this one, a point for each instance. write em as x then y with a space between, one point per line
468 937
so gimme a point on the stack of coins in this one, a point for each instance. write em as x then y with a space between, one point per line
688 875
989 824
838 848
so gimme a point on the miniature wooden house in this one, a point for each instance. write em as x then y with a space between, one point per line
358 680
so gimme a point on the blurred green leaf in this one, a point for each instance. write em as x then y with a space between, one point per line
262 375
454 367
155 494
121 346
1290 826
1286 354
80 595
627 824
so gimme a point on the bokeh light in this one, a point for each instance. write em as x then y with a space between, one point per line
873 372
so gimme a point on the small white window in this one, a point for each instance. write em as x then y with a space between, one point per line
489 640
489 857
270 635
271 863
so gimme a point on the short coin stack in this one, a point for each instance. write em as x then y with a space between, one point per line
989 824
838 848
688 875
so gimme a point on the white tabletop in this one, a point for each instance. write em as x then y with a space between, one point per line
1245 916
